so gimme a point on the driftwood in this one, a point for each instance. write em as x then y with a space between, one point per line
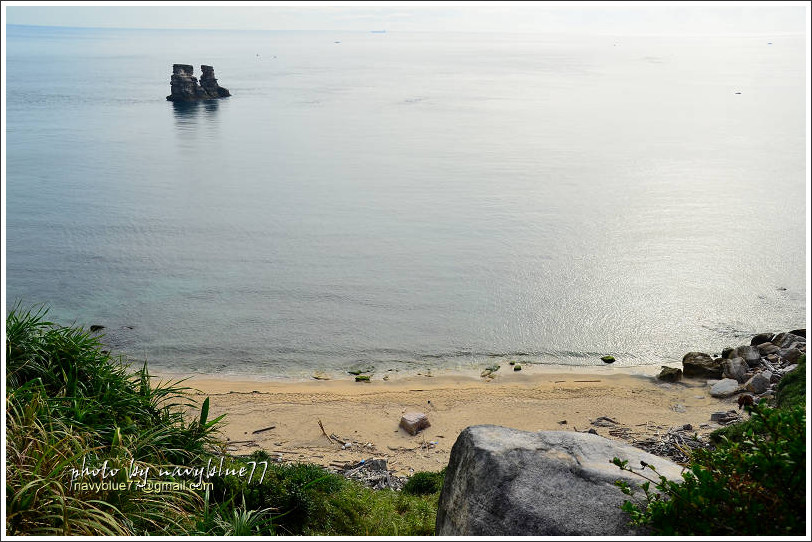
372 473
338 439
402 449
263 430
331 438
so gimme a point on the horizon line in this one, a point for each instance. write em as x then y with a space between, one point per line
387 31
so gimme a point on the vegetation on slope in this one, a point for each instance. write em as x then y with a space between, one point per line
71 406
753 482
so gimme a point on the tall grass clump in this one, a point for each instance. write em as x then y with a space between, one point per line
69 404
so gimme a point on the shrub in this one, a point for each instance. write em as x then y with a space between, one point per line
425 483
753 486
792 387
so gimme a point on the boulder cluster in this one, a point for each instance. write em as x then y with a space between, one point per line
755 368
185 87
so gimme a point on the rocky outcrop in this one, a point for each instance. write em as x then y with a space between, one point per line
701 365
735 368
756 368
185 88
209 83
749 354
725 388
670 374
760 382
506 482
761 338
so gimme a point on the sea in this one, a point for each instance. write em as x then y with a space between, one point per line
408 202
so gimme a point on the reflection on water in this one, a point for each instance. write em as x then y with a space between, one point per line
188 114
195 120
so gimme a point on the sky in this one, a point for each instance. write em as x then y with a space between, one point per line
661 18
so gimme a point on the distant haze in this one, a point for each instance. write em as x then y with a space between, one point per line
577 17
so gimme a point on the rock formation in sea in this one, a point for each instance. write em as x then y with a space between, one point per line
185 87
209 83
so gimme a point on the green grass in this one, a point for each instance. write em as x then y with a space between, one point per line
307 500
792 387
69 401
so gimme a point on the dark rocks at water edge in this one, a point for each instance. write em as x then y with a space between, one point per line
754 368
701 365
670 374
506 482
185 87
736 369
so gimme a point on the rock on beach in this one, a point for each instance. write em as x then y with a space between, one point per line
506 482
725 388
414 422
701 365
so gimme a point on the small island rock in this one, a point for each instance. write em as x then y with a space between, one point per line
185 88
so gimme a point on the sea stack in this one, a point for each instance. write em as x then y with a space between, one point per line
185 87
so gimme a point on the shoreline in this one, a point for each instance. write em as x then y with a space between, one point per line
284 417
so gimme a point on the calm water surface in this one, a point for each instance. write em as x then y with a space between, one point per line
408 200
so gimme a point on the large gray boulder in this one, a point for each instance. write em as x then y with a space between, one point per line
749 354
785 340
765 349
759 383
789 355
725 388
735 368
701 365
506 482
761 338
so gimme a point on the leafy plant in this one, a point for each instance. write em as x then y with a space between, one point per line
752 486
245 522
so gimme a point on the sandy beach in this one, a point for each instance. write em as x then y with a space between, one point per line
283 417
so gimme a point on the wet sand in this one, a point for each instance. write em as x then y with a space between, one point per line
367 414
